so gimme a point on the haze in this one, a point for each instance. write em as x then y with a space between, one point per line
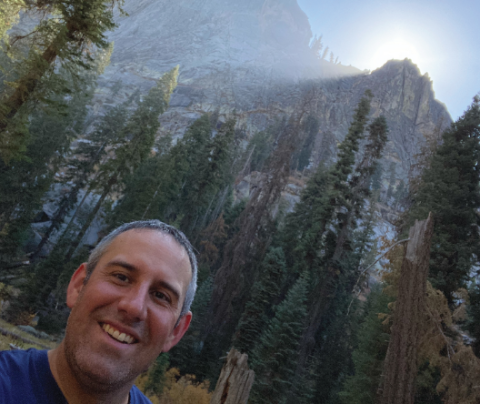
440 36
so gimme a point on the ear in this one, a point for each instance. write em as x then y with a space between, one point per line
76 284
178 332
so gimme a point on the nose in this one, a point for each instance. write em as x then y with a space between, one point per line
133 304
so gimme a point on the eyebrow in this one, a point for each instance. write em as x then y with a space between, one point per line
133 268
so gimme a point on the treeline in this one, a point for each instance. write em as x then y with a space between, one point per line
279 284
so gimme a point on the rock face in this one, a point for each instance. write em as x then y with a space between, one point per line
250 57
401 94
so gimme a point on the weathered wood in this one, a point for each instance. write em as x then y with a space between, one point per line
235 381
400 367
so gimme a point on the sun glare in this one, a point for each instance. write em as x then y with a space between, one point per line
397 49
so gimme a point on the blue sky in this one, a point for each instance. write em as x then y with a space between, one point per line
442 37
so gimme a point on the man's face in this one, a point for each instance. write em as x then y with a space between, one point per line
136 293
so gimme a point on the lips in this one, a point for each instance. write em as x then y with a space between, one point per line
118 335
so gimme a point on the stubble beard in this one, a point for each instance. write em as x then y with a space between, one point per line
93 372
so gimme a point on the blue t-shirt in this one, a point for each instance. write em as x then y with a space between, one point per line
26 378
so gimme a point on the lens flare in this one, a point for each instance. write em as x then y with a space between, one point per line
397 49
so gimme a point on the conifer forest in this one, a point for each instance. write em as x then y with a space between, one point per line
334 212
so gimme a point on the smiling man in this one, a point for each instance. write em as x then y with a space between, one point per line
129 303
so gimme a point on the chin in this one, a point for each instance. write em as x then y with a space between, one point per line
97 371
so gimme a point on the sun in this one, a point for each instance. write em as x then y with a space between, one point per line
397 49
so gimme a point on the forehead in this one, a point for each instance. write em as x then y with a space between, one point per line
148 247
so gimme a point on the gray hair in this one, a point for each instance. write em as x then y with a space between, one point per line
161 227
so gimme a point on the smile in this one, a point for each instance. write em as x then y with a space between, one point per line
119 336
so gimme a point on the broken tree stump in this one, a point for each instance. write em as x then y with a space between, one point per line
235 381
400 366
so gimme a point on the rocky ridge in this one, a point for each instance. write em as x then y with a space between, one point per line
250 57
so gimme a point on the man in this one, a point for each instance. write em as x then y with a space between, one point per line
129 303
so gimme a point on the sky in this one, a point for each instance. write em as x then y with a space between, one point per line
442 37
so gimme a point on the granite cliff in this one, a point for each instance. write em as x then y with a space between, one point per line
249 57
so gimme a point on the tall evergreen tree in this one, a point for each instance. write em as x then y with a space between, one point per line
362 386
9 14
322 224
156 375
207 178
137 139
23 184
81 26
473 321
181 185
307 224
377 178
264 293
449 188
391 181
79 163
274 357
231 285
191 353
259 148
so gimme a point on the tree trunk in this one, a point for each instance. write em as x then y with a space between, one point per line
400 366
26 86
235 381
56 220
89 220
66 204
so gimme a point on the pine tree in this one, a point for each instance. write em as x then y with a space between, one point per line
449 188
324 192
138 137
232 278
181 184
23 184
377 178
473 320
274 358
79 163
316 46
191 352
362 386
82 170
323 222
259 148
82 27
157 375
9 14
265 291
207 178
391 181
212 238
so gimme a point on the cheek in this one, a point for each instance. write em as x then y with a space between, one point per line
162 322
95 298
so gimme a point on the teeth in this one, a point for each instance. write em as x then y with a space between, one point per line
122 337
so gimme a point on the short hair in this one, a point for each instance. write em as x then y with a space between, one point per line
161 227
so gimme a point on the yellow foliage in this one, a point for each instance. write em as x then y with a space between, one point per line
141 381
439 342
179 389
392 269
460 314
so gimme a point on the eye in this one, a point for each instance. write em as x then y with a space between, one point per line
159 295
121 277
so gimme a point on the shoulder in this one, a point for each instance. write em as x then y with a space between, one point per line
20 359
137 397
18 374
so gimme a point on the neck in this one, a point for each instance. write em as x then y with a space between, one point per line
77 392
